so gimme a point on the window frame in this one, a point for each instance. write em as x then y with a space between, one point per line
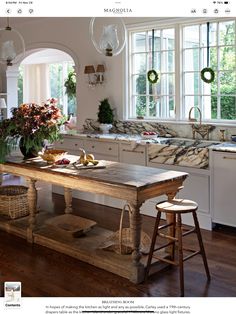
178 24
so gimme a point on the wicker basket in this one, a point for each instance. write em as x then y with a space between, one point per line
121 241
13 201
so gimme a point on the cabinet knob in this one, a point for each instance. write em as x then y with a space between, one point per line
109 148
93 146
76 144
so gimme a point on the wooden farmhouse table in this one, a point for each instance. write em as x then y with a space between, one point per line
132 183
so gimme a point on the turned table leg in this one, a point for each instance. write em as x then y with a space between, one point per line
135 225
32 201
68 200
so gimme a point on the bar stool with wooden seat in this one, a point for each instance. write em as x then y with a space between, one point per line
176 207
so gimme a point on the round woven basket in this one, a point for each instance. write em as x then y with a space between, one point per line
13 201
121 240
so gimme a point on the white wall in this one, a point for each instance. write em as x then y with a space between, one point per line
73 35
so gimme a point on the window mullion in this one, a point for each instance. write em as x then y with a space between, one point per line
178 72
218 72
147 69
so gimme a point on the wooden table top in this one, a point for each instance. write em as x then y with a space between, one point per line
115 172
126 177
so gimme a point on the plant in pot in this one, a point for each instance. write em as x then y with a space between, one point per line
105 115
70 85
29 126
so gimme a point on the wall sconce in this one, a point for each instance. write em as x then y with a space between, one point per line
95 77
2 106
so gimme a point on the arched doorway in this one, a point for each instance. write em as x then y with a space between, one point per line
40 75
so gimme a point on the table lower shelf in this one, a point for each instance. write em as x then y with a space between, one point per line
85 248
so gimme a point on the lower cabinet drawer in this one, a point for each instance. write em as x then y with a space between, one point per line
70 144
105 148
136 156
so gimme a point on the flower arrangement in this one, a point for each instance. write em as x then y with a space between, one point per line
32 124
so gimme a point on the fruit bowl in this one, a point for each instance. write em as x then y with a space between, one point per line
149 135
52 155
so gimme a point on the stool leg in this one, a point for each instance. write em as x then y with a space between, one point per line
180 254
202 250
154 237
173 234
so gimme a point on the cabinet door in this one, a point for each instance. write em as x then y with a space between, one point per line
135 156
197 188
224 188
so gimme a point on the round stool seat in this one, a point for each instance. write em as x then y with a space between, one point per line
176 206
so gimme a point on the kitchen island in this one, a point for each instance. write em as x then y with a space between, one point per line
132 183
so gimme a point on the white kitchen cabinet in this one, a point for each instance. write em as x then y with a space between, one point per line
135 156
197 188
71 145
224 188
102 149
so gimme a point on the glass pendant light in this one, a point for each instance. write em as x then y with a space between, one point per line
11 45
108 35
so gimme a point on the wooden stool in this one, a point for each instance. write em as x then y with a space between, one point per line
176 207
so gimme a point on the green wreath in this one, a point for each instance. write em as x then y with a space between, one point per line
152 76
212 75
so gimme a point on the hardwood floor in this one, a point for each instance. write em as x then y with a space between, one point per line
44 272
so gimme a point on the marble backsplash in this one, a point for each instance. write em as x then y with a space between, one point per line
163 129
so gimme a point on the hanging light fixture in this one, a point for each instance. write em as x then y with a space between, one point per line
108 35
11 45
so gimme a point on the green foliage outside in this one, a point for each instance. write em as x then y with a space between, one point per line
227 81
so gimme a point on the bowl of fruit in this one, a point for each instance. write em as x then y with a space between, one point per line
52 155
149 135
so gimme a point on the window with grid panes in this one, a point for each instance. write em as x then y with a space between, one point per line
152 100
216 100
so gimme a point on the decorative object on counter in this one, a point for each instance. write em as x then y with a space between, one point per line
149 135
32 124
207 74
233 138
52 155
71 124
152 75
222 135
13 201
70 85
3 106
12 45
95 77
121 241
108 35
70 225
131 127
105 116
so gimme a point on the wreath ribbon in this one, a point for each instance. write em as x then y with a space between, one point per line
152 75
208 70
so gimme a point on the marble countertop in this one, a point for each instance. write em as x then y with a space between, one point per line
225 147
143 140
